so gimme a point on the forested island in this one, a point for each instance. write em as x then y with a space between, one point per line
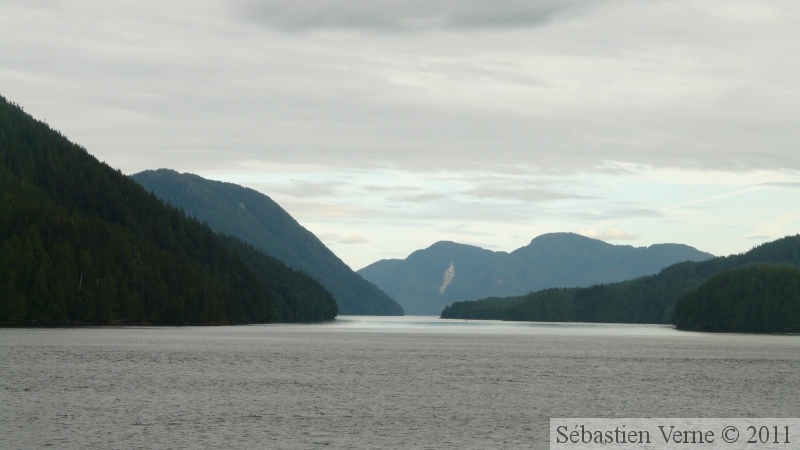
80 243
653 299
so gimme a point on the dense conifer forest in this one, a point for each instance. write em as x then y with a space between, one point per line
256 219
752 299
649 299
82 243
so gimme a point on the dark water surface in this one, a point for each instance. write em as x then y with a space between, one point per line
363 382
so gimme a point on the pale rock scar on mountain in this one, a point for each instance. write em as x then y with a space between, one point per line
447 278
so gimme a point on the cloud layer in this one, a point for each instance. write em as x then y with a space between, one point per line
468 85
436 119
408 15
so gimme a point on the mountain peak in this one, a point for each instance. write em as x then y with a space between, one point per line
558 234
550 260
560 237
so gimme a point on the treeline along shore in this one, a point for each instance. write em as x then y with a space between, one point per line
757 291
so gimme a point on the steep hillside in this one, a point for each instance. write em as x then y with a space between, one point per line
82 243
256 219
446 272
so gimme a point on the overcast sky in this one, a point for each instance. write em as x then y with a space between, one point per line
385 126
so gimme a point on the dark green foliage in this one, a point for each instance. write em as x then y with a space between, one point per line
492 308
649 299
552 260
548 305
297 294
81 243
256 219
753 299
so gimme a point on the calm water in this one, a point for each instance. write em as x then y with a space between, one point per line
364 382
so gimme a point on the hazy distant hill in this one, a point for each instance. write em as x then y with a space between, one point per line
82 243
551 260
255 218
652 299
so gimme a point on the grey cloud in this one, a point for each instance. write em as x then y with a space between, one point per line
404 193
372 188
354 239
402 15
423 198
302 189
624 213
525 194
335 238
206 93
784 184
454 208
411 194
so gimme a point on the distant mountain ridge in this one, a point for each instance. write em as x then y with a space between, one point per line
653 298
550 260
258 220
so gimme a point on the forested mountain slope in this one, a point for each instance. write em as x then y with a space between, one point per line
82 243
446 272
749 299
649 299
256 219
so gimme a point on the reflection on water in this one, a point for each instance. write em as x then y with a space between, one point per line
433 324
367 382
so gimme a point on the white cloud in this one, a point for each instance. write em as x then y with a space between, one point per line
610 234
332 237
311 189
335 238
